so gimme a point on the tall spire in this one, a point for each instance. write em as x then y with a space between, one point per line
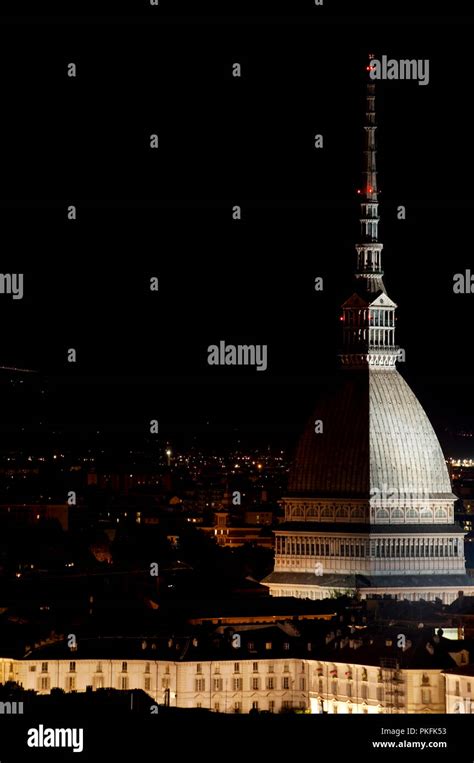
369 250
369 314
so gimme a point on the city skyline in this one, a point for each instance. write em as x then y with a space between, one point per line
236 438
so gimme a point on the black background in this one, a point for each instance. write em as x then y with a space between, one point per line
226 141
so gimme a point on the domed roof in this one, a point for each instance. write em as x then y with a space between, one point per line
376 437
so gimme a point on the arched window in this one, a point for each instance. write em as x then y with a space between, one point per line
426 513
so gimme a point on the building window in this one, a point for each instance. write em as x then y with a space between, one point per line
237 684
237 707
200 684
44 683
147 667
364 691
320 685
268 645
198 705
72 667
286 704
271 669
380 693
286 645
98 682
147 683
251 646
302 684
255 684
349 690
216 707
236 667
285 683
270 683
456 691
124 667
426 696
255 667
255 705
334 687
44 667
123 683
198 668
469 688
98 667
217 669
286 668
271 706
217 684
71 683
165 683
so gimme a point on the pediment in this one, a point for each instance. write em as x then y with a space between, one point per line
356 301
382 300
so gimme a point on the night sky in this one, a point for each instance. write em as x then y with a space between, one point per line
226 141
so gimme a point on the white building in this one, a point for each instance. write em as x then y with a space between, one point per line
370 508
459 690
272 684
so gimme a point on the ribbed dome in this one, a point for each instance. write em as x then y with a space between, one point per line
376 436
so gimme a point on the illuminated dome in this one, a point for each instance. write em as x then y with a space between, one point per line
376 436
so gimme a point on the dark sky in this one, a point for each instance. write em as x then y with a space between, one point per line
168 213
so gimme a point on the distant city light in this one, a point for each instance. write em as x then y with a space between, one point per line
461 462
